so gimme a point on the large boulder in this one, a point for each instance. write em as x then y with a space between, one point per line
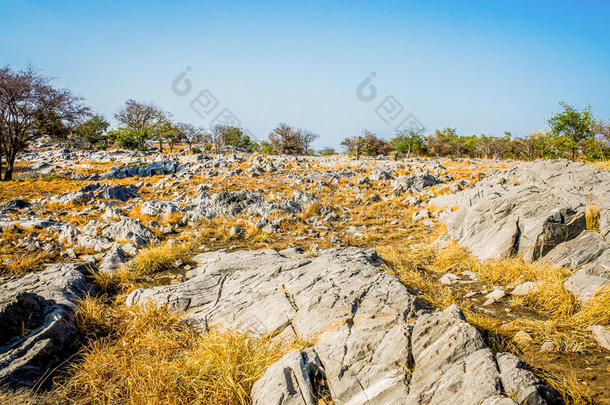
375 343
38 328
527 210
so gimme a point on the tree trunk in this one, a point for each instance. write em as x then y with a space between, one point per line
8 172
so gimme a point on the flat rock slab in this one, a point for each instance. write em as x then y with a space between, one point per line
375 342
37 323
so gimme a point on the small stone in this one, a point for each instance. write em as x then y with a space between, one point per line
356 230
524 288
238 231
550 346
449 278
602 335
471 275
495 295
421 214
375 197
70 253
522 338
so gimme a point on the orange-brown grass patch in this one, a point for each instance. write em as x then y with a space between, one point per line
32 188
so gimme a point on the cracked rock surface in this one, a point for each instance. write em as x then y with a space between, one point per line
537 210
38 327
375 343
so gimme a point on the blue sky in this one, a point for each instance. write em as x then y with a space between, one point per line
478 66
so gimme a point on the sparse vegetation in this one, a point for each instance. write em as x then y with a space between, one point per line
592 217
159 258
152 353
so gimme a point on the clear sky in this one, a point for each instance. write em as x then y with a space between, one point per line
478 66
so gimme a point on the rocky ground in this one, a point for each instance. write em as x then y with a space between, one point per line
418 281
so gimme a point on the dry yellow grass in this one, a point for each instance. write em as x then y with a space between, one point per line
549 296
151 356
160 257
22 263
592 217
567 384
565 320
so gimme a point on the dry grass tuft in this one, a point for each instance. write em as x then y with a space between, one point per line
21 264
160 257
592 217
567 384
152 355
596 311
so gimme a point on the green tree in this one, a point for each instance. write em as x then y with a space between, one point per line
407 141
226 135
143 122
326 151
129 138
367 144
93 131
266 147
573 127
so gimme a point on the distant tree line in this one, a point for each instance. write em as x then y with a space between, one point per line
30 107
573 134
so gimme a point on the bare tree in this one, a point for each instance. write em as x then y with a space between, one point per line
291 141
30 106
190 133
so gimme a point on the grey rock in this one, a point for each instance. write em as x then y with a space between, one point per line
601 335
521 384
590 277
114 259
233 203
128 228
452 363
158 208
530 209
42 304
289 381
579 251
118 192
